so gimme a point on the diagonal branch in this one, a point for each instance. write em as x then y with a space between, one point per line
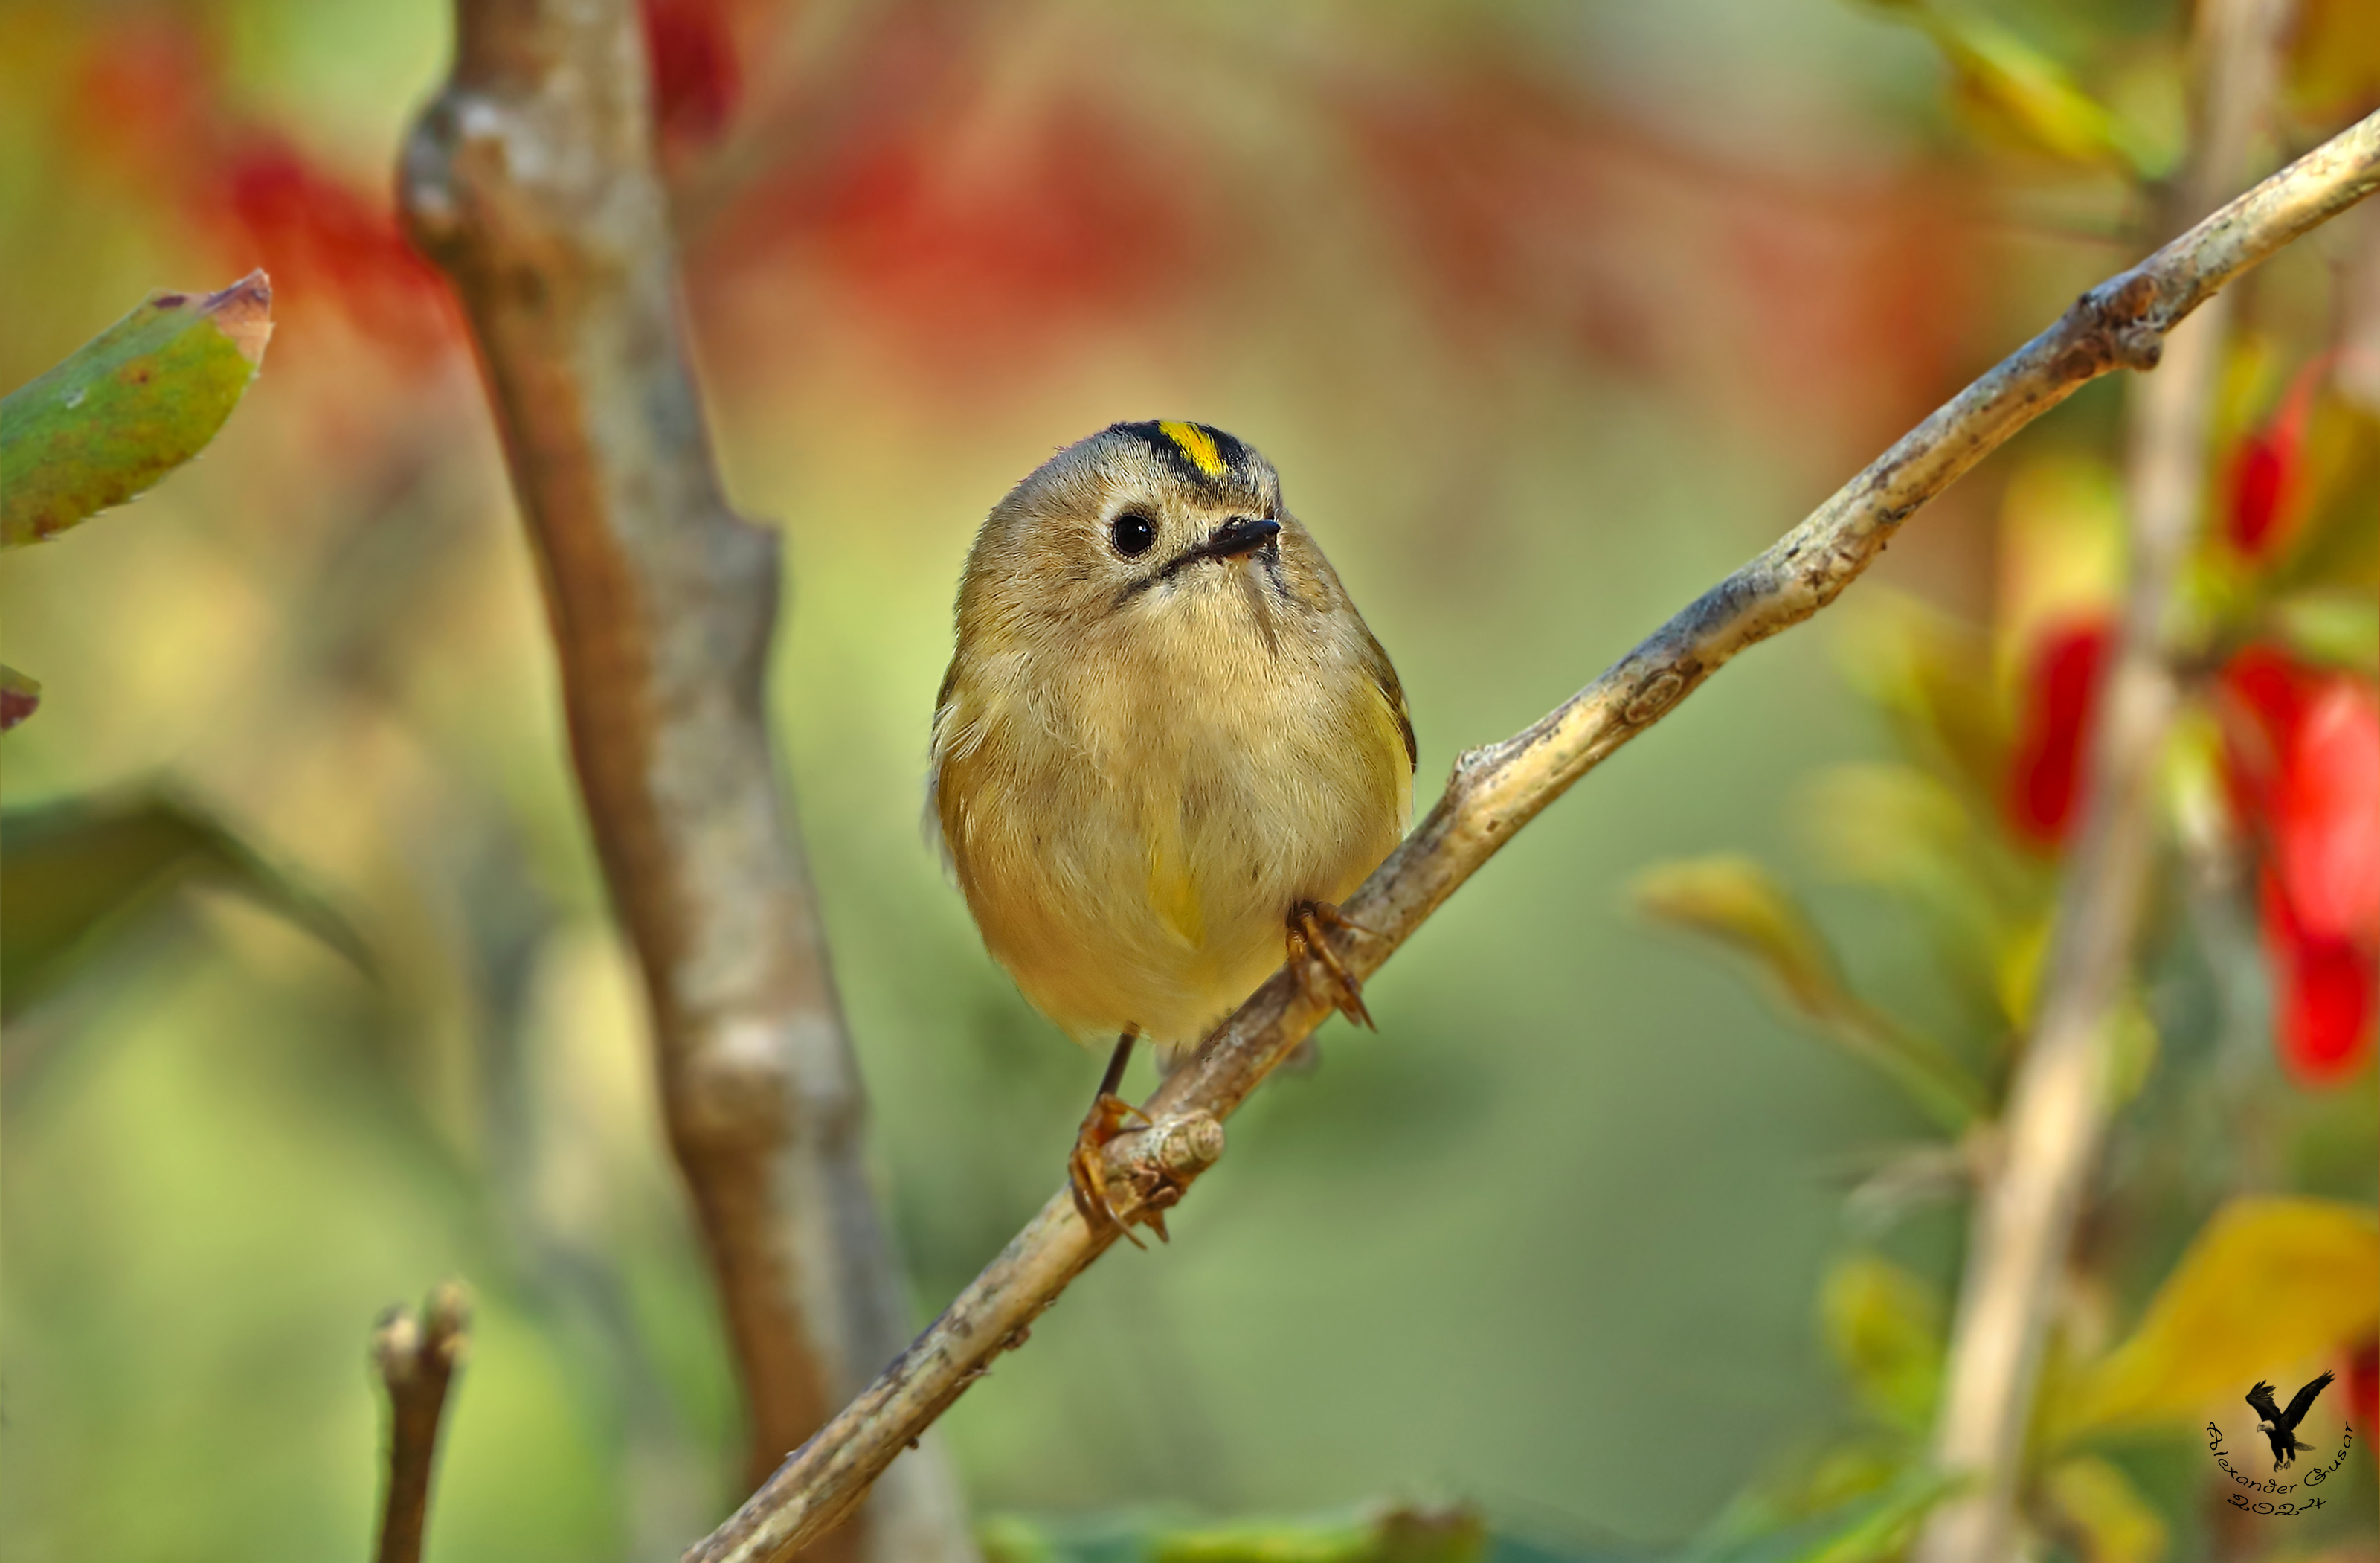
2026 1210
417 1358
530 182
1498 789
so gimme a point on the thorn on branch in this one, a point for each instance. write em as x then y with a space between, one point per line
417 1358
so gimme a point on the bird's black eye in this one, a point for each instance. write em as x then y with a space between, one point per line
1131 533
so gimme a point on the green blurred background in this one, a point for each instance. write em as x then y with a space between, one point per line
1548 314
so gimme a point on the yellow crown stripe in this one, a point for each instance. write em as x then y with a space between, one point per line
1196 443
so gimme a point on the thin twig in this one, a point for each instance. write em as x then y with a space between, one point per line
529 179
2033 1194
417 1358
1498 789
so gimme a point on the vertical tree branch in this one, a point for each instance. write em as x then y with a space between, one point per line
417 1358
530 182
2027 1207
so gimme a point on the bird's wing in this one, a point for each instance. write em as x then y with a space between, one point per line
2262 1398
1384 678
2303 1401
958 731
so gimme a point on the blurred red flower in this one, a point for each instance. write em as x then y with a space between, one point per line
2303 764
2257 476
2264 467
2363 1378
973 237
151 104
2323 1017
697 79
319 236
2328 812
2060 692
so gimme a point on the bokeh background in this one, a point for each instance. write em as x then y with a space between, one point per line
1549 315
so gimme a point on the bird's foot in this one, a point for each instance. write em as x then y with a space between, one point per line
1307 921
1087 1167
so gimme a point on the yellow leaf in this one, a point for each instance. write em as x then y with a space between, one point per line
1884 1327
2106 1513
2269 1282
2020 972
1738 902
2334 63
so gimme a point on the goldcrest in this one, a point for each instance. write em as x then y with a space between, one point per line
1166 743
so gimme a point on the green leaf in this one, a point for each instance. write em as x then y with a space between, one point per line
1871 1529
1012 1538
2332 629
74 876
1884 1328
1740 904
1884 1526
2269 1282
1397 1535
126 407
1846 1473
2022 95
20 695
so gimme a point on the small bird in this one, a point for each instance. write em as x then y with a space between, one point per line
1167 745
2280 1426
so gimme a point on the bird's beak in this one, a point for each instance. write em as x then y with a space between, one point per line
1239 536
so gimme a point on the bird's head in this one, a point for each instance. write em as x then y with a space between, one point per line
1145 532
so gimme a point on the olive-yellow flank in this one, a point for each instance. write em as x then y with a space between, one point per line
1166 741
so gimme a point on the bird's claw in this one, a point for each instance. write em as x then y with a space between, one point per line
1087 1168
1307 920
